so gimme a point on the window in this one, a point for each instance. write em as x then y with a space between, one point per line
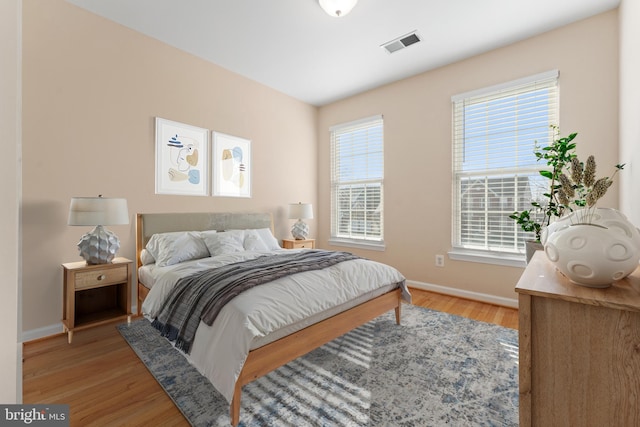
357 171
495 172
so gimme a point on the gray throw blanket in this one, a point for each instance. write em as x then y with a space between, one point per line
203 294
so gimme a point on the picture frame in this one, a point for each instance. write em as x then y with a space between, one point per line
182 159
231 165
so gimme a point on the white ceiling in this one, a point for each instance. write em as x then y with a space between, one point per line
294 47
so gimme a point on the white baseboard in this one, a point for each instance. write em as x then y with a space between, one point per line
51 330
477 296
43 332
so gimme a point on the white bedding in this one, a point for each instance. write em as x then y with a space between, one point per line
270 311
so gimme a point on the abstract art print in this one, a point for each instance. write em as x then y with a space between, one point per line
182 159
231 167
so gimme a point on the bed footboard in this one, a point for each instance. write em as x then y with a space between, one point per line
265 359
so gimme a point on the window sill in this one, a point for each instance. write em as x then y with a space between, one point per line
488 257
360 244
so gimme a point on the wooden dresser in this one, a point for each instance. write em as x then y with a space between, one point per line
579 350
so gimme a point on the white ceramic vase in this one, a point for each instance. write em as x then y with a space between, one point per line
593 247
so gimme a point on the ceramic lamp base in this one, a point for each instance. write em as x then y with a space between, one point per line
300 230
99 246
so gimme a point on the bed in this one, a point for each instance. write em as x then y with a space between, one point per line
256 346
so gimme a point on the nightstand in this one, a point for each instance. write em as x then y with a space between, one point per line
299 244
95 294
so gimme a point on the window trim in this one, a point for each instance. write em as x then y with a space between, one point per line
547 75
487 257
359 244
362 243
459 252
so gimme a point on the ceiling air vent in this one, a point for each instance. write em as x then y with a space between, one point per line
401 42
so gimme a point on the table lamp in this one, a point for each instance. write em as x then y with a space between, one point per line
100 245
300 211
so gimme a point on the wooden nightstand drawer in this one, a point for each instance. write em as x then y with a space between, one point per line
303 245
299 244
101 277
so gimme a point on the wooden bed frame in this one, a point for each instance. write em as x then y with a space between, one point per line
264 359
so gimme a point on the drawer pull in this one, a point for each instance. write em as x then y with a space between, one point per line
102 277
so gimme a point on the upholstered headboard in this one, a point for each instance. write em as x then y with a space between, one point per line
148 224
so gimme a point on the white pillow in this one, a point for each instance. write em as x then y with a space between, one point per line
161 239
253 242
267 237
224 243
264 234
175 247
146 257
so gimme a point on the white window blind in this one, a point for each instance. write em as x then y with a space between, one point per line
496 173
357 172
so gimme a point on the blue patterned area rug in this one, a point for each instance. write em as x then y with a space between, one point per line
434 369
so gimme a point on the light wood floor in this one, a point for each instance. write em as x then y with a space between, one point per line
105 383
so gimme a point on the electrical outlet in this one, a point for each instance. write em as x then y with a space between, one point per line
439 260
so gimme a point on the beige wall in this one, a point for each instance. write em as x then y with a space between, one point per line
92 89
630 108
417 121
11 348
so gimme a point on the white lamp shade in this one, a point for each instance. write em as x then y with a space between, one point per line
300 211
337 8
98 211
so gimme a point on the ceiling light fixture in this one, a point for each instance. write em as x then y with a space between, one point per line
337 8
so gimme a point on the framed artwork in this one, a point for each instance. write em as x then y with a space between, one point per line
182 159
231 166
